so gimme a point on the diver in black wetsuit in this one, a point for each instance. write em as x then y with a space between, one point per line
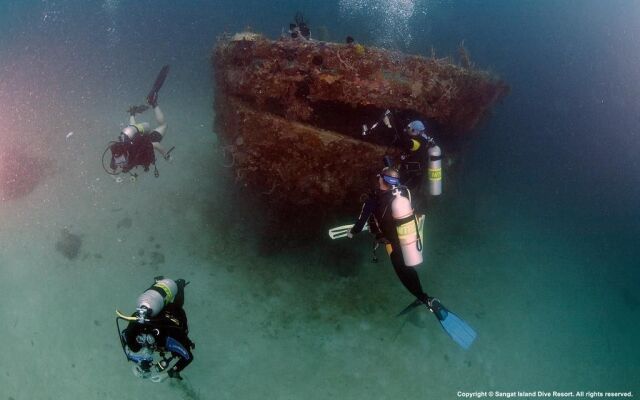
416 144
377 211
159 326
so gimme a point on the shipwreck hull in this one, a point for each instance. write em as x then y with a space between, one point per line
294 162
289 113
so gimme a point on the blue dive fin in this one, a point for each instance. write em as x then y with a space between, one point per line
455 327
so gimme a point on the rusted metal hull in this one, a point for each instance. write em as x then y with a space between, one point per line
289 112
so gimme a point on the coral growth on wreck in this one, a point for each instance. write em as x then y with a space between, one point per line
290 112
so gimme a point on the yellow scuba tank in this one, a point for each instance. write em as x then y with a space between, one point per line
435 171
407 229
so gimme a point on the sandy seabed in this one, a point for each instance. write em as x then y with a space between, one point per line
314 321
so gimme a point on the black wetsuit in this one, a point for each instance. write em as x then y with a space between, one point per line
415 161
170 323
377 210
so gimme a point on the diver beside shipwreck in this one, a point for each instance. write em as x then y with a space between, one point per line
309 122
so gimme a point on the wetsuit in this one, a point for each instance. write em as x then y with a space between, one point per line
377 210
171 323
415 160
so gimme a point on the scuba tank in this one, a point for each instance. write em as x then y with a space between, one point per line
435 171
153 300
153 356
407 228
129 132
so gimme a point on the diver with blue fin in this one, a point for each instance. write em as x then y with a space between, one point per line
137 142
391 219
156 338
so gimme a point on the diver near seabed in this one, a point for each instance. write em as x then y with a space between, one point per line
137 143
391 219
156 338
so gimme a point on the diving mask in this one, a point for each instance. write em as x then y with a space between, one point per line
120 161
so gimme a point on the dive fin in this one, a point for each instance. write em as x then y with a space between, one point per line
152 97
176 347
410 307
455 327
341 231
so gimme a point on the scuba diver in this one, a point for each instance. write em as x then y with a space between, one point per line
156 338
137 143
419 150
420 153
377 211
299 29
391 219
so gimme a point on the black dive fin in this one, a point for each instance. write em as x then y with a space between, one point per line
410 307
153 94
160 79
